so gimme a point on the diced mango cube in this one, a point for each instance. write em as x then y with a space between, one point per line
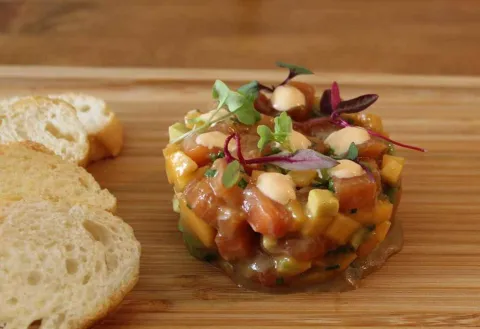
381 230
303 178
179 168
392 167
289 266
193 114
345 260
196 226
382 212
341 229
367 246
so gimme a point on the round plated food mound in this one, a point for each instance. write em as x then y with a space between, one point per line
284 190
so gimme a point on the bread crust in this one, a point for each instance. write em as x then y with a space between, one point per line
112 136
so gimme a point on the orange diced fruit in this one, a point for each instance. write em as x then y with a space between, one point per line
341 229
392 167
381 230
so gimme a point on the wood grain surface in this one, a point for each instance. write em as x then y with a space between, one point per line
433 283
389 36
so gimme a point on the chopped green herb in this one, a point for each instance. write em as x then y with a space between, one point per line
331 185
392 193
282 130
330 151
320 184
353 211
371 227
215 156
332 267
280 281
391 149
210 173
345 249
210 257
231 175
242 183
352 152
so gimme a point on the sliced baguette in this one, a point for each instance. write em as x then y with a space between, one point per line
50 122
67 267
28 170
104 129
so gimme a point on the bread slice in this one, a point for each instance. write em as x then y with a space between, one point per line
67 267
50 122
28 170
103 127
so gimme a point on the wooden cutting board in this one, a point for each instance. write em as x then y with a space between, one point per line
433 282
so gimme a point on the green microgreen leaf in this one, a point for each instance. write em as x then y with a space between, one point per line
294 68
283 127
242 183
282 130
266 136
241 104
352 153
231 175
215 156
280 281
249 90
210 173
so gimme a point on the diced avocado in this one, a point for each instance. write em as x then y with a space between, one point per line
176 204
176 130
322 203
269 244
360 236
322 206
196 226
392 167
391 193
341 229
197 249
289 266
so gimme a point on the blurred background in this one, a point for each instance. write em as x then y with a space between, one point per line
426 37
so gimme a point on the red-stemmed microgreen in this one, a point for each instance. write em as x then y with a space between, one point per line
300 160
293 71
335 106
